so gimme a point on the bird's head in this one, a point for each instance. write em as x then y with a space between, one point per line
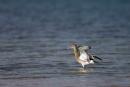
73 45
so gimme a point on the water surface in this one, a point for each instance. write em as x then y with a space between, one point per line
35 35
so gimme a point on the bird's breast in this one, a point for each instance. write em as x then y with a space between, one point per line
84 57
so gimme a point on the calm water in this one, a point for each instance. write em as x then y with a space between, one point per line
35 35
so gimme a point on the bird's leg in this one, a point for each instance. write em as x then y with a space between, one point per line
83 66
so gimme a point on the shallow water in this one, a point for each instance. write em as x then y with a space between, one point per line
35 36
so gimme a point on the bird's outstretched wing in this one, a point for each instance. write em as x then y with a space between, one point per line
84 47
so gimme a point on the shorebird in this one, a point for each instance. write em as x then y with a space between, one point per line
82 55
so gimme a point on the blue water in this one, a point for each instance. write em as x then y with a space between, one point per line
35 36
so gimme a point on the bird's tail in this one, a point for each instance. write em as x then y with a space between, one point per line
97 57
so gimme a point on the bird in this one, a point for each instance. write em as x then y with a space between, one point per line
82 55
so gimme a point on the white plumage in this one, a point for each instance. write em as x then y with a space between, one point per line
85 59
84 56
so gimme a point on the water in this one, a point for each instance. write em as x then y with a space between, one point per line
35 36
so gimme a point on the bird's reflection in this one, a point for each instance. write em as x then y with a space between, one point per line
81 71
